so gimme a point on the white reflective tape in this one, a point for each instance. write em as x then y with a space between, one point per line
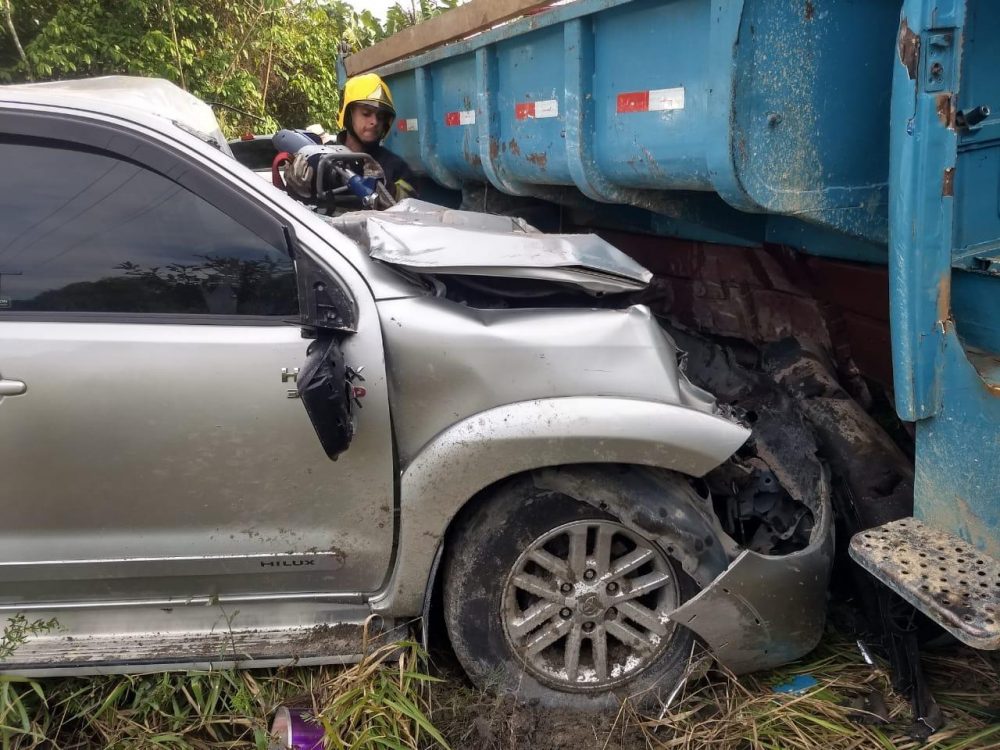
467 117
411 123
664 99
547 108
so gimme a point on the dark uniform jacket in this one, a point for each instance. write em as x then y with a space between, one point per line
394 167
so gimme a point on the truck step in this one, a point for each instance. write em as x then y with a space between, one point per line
945 577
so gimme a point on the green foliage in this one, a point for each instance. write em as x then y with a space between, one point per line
18 630
398 17
380 702
272 62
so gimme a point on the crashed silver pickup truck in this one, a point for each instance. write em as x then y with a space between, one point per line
234 431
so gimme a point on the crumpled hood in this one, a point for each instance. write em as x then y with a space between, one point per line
428 239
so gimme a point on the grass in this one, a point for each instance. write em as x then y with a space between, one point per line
390 701
719 711
379 703
715 711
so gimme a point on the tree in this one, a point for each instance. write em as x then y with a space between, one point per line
270 63
398 17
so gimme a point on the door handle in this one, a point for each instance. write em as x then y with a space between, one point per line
12 387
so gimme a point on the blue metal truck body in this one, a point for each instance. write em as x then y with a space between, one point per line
841 128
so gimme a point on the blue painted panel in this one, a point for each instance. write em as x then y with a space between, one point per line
944 322
818 240
975 304
652 45
530 69
453 89
957 472
976 181
785 105
976 185
405 143
981 61
922 150
811 81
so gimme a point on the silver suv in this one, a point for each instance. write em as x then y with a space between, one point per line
234 431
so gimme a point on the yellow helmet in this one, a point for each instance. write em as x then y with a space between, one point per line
367 89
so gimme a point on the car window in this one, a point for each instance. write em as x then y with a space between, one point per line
88 231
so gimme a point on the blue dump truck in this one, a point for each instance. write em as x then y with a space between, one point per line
823 170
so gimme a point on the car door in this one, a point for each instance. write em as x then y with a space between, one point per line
152 442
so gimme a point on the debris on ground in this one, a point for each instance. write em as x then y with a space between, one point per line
850 706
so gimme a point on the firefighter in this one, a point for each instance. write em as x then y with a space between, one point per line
366 115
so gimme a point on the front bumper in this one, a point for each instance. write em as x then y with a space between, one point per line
764 611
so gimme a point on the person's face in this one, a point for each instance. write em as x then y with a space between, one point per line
368 122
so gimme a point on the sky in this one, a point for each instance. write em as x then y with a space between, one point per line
377 7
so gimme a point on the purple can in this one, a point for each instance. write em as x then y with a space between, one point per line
295 729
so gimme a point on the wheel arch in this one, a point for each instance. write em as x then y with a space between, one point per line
477 453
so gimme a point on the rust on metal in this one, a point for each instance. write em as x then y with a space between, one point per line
948 183
944 297
985 363
494 149
539 159
514 148
810 11
945 110
908 45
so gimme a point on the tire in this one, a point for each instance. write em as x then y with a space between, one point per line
492 599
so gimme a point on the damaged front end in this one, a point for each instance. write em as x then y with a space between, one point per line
774 499
755 533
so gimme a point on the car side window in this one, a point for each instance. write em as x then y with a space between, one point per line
87 231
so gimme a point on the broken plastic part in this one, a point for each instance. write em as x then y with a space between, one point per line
327 395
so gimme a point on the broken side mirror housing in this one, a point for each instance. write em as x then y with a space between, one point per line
328 313
324 302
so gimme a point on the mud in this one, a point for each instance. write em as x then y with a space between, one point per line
471 720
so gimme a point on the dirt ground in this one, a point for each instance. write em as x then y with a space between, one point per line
966 684
471 720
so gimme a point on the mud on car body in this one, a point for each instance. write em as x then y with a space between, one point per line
233 431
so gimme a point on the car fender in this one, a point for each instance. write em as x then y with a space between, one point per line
483 449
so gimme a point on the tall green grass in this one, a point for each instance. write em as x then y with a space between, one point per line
379 703
385 702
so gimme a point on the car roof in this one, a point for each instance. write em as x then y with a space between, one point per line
148 96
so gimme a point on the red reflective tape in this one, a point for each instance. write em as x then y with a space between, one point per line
462 117
401 125
633 101
524 110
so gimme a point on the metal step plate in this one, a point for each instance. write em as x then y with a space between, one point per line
945 577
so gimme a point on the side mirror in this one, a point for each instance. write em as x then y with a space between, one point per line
324 302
